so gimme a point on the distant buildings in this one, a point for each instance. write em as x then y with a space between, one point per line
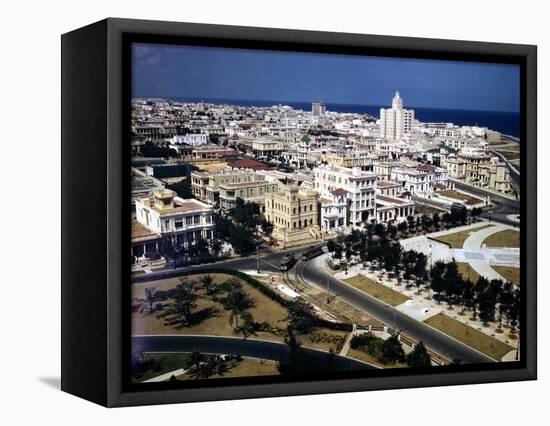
294 215
396 122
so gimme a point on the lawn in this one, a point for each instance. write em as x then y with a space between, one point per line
163 363
506 238
470 336
460 196
467 271
265 310
509 273
248 367
385 294
456 239
510 155
364 356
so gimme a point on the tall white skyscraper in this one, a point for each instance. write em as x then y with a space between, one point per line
318 109
395 122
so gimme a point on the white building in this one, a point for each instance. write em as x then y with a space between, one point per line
318 109
184 221
359 185
193 139
396 122
334 207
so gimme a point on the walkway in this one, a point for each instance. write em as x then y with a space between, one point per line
473 244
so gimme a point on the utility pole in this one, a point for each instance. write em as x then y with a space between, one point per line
258 258
328 291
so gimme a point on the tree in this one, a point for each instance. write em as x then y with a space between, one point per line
215 246
197 358
207 283
267 227
301 317
476 212
392 350
237 302
436 275
402 227
185 298
452 283
436 219
419 357
411 222
487 302
150 297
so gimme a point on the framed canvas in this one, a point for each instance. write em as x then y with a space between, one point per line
255 212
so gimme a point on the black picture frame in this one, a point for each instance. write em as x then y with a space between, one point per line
95 207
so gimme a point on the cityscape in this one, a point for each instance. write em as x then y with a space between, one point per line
287 239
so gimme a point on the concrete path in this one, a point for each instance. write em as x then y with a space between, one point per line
474 243
345 348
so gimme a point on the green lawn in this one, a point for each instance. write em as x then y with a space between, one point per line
456 239
162 364
385 294
506 238
470 336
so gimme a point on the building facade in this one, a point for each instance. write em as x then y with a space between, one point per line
294 215
396 122
183 221
359 186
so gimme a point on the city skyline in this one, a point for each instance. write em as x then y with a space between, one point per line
251 75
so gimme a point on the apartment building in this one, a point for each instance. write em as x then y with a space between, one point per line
359 185
165 215
294 215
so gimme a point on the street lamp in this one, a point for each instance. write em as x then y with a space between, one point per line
258 258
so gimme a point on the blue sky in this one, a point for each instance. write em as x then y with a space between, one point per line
225 73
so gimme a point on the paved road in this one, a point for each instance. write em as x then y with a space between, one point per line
502 206
261 349
314 273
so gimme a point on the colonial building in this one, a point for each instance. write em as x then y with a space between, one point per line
334 210
393 203
359 185
224 187
294 215
165 215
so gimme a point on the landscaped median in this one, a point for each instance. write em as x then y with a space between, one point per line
380 291
470 336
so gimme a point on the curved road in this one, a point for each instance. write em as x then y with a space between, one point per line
314 272
252 348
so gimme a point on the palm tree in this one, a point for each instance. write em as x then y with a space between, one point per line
237 302
207 281
150 297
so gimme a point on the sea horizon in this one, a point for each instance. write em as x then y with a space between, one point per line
505 122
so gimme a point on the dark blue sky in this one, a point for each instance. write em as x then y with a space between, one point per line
205 72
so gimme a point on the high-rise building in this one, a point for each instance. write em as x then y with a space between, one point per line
395 122
318 109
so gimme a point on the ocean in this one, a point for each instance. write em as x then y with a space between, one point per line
507 123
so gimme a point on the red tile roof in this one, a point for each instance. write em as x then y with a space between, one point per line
249 163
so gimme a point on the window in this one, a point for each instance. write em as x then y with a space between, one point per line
179 224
